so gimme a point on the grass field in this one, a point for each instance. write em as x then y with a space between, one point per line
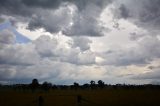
96 97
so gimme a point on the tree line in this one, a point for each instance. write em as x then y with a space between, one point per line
34 85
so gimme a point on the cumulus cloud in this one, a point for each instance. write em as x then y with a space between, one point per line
72 17
144 13
45 46
51 20
146 50
6 72
82 43
18 55
86 19
50 58
46 59
43 58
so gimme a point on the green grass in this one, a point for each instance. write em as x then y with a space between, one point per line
97 97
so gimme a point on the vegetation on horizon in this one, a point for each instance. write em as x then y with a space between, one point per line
92 85
92 94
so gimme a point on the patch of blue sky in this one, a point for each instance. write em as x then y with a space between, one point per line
19 37
5 25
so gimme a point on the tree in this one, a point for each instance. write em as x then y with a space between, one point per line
34 84
93 84
46 85
101 84
85 86
75 85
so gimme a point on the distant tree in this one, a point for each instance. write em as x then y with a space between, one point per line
54 87
75 85
85 86
92 84
46 86
34 84
101 84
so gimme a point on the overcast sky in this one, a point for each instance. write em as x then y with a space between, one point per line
66 41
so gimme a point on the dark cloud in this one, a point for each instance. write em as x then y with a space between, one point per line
124 12
86 19
82 43
144 13
55 15
82 4
6 72
52 21
14 8
43 3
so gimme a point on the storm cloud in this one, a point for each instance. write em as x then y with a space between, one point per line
144 13
72 17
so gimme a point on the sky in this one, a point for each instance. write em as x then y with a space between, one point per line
66 41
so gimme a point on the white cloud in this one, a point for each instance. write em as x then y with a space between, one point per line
44 58
146 50
126 50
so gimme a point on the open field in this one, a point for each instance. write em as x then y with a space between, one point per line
94 97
